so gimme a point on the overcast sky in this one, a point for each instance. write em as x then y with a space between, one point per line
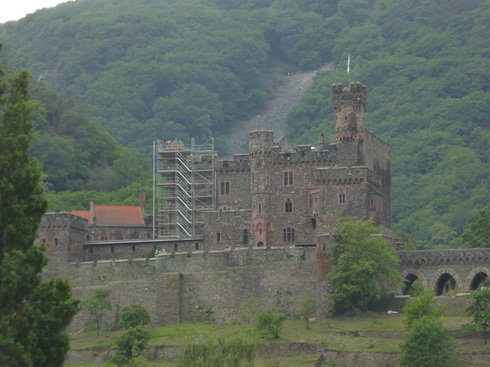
16 9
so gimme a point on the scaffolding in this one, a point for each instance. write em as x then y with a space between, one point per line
185 187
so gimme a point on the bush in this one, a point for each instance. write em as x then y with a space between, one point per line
134 315
271 322
130 346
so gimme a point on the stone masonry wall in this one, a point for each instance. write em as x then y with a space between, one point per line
199 286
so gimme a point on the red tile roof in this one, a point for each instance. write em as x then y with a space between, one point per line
84 214
111 214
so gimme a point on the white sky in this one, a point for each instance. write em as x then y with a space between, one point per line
16 9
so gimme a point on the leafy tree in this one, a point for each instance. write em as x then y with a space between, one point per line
271 322
363 265
130 346
421 306
307 310
480 311
134 315
97 305
221 353
429 344
33 313
478 232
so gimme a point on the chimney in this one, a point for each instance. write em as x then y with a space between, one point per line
92 213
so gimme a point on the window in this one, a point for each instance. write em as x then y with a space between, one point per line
288 178
56 242
197 246
342 196
218 236
260 208
112 249
267 179
225 188
176 246
245 236
288 206
133 248
288 234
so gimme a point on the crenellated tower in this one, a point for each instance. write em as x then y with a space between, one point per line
349 108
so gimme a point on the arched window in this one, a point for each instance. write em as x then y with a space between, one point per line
288 205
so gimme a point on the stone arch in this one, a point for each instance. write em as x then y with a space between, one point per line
445 278
412 275
476 277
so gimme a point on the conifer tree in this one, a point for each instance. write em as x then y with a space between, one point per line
33 313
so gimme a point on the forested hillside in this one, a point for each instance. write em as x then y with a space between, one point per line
179 68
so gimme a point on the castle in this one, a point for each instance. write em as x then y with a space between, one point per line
271 196
258 225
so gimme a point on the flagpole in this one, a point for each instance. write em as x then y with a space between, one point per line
348 70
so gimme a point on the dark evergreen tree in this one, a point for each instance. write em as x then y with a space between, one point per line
33 313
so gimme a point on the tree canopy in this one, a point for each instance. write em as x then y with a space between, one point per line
33 313
478 232
363 265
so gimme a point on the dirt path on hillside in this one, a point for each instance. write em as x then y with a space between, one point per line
291 89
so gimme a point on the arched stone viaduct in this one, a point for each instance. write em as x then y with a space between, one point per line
461 269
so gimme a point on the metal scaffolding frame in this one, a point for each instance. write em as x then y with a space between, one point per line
185 181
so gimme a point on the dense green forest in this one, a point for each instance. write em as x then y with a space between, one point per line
159 69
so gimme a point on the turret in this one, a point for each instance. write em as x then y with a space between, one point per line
260 142
349 107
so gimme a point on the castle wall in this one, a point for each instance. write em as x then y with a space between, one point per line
230 224
199 286
134 249
118 232
377 157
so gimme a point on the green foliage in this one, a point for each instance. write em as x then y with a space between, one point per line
429 344
480 311
416 288
75 153
220 353
33 313
271 322
363 265
69 200
130 346
134 315
478 232
307 310
97 305
420 307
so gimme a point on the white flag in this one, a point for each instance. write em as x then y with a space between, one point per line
348 64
